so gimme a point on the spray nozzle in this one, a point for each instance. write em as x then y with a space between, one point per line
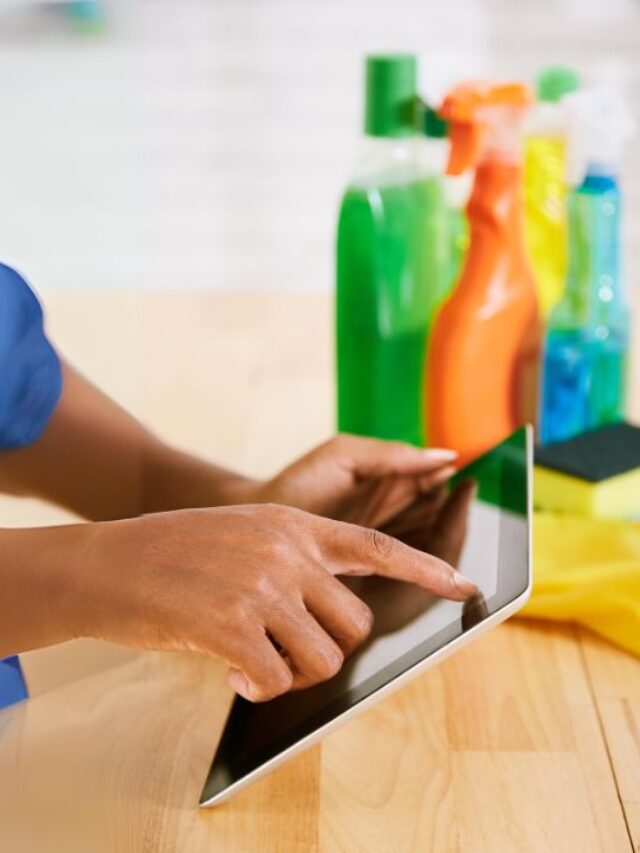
484 118
600 124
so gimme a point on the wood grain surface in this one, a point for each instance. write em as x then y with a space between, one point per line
527 740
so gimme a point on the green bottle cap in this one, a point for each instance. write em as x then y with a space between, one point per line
390 95
434 126
555 82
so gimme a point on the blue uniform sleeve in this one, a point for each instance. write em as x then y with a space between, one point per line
30 372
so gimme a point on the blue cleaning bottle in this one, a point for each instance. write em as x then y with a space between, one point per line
587 340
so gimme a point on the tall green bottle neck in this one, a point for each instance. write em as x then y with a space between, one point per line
396 161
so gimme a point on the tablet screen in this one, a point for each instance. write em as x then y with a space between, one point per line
479 523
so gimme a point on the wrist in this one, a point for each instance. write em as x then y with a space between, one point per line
41 577
174 480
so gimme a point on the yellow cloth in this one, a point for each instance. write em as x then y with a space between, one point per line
588 571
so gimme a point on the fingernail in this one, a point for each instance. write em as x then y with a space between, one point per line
444 473
436 478
464 585
440 453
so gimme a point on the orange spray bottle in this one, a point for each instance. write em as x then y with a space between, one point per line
483 357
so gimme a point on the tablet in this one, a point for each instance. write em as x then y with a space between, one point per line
487 537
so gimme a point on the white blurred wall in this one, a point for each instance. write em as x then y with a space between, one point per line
204 143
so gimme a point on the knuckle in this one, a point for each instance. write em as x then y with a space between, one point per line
328 662
362 622
237 614
262 586
280 521
276 548
280 682
379 542
268 595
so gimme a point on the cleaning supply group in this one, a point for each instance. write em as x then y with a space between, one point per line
454 325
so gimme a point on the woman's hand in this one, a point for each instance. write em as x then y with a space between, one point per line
361 480
437 524
99 462
254 585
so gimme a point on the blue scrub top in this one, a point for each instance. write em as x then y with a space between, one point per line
30 374
30 387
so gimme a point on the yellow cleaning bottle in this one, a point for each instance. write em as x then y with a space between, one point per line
546 185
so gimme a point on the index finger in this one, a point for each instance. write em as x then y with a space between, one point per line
348 549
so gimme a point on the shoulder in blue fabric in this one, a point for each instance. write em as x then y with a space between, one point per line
30 373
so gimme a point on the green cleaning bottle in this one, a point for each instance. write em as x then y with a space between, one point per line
391 264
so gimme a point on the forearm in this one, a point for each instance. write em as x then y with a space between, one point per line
173 479
98 461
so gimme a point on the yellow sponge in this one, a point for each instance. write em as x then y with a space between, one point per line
596 473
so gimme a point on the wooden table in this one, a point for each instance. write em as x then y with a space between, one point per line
528 740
